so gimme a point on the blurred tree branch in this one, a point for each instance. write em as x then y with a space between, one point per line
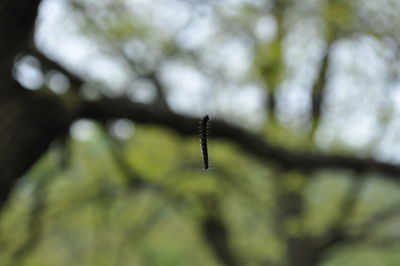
337 233
49 64
271 60
375 221
319 87
106 109
215 232
35 219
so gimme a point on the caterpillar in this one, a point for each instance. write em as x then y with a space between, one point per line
203 139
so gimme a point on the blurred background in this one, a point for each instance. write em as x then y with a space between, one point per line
315 84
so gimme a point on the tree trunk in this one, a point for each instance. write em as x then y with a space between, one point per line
27 127
28 124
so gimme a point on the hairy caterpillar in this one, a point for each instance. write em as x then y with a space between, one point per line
203 139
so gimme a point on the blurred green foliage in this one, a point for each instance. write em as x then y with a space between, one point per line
90 215
141 200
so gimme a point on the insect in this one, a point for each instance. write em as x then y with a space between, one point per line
203 139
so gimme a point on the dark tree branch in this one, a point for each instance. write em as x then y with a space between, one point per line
50 64
337 233
319 86
35 220
161 100
351 198
273 69
377 220
105 109
133 179
215 232
318 92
